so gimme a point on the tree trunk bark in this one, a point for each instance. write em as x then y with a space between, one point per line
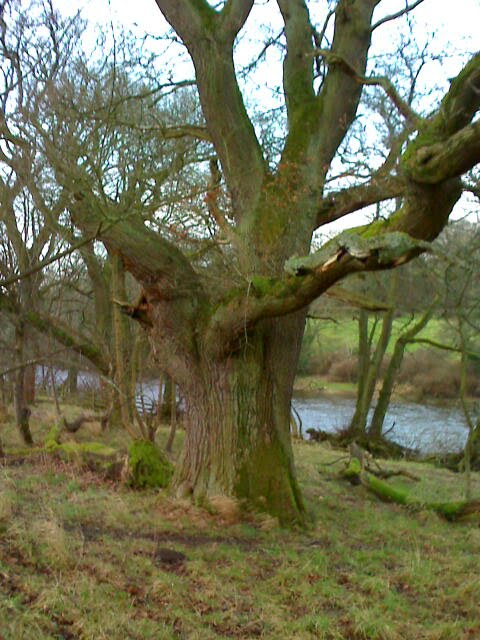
122 344
72 380
22 412
362 372
237 423
376 426
30 386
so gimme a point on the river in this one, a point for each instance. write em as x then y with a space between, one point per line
428 428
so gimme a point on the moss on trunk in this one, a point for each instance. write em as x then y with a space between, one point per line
237 420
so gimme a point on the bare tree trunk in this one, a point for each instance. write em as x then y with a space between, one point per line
473 428
173 421
122 344
362 370
165 408
22 412
54 393
30 384
72 380
3 391
370 375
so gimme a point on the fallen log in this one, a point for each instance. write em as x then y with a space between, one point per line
452 511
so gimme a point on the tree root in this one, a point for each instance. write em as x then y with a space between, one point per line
381 447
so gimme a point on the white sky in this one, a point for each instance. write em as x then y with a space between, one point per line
450 27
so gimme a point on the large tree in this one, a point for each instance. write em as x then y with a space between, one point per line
228 329
233 348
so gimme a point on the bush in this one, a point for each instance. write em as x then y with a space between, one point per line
435 375
344 369
148 466
319 364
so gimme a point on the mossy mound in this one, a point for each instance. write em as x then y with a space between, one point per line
148 465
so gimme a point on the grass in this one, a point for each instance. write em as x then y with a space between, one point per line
82 558
343 335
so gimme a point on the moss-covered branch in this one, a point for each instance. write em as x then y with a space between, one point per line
448 158
298 63
447 144
452 511
306 278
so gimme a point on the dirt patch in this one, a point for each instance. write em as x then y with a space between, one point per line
92 533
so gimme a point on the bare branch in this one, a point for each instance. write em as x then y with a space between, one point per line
398 14
382 81
45 263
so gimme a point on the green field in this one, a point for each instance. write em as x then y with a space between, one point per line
82 558
342 335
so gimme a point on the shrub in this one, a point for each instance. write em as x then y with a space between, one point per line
434 374
344 369
148 465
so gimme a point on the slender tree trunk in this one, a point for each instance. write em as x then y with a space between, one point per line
30 384
165 408
72 380
22 412
362 371
122 344
173 421
472 427
371 374
384 397
58 410
3 391
237 423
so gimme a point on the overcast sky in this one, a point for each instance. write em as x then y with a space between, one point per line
450 27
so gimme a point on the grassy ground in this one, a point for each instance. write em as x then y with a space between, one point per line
321 384
82 558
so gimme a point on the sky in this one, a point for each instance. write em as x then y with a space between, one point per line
450 27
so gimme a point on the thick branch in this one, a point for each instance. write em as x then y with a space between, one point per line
208 36
298 63
446 159
381 245
378 189
233 17
306 279
448 143
341 92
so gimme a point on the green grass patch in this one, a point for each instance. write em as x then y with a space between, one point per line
82 558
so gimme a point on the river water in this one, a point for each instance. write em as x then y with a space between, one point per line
428 428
